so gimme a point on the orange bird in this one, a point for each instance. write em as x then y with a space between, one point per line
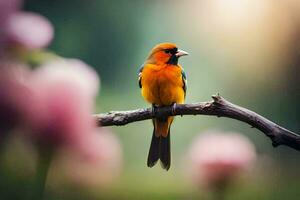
163 83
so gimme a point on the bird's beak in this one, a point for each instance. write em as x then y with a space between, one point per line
180 53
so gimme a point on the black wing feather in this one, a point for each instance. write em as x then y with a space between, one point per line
183 74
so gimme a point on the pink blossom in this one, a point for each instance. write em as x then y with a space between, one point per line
8 7
15 96
219 157
28 30
63 102
74 71
97 163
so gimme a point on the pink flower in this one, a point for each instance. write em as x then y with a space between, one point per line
97 163
216 158
15 95
8 7
63 102
28 30
72 71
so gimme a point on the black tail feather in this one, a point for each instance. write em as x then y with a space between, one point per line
165 152
160 148
153 155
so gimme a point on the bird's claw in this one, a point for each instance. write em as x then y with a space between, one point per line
174 109
154 110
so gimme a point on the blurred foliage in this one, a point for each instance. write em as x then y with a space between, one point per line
249 56
96 29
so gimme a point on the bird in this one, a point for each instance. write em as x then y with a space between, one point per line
163 83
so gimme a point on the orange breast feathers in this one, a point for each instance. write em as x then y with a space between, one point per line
162 84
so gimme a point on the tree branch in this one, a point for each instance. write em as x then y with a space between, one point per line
219 107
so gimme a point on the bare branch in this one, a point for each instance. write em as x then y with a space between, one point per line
219 107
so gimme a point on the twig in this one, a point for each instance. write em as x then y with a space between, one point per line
219 107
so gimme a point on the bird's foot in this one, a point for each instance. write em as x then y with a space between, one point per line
154 110
174 109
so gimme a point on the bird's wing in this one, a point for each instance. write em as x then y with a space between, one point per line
183 74
140 75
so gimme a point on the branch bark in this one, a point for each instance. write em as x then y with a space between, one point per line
219 107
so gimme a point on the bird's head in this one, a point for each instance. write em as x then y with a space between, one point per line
165 53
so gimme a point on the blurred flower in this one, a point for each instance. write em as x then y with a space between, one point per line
63 102
97 163
72 71
28 30
15 95
8 7
217 158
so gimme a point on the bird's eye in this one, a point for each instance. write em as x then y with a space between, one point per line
167 51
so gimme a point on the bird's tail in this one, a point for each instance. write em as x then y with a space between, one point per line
160 148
